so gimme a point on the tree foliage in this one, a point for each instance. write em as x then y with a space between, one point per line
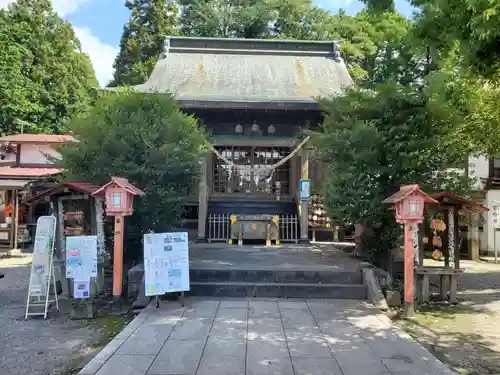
145 138
376 140
45 78
471 24
143 40
465 37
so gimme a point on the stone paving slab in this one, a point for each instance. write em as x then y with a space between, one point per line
263 337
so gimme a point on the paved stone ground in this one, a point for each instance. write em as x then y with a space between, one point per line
36 346
316 257
467 335
263 337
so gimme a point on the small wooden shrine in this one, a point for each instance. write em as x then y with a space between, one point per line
78 213
439 236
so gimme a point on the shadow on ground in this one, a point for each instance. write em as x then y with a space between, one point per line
467 335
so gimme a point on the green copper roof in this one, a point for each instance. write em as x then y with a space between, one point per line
248 70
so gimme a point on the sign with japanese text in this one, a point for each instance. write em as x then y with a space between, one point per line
42 256
166 263
81 257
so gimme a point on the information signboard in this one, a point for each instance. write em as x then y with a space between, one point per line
166 263
495 215
305 190
42 269
81 257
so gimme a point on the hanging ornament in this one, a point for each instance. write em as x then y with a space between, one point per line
238 129
271 129
255 127
437 242
436 254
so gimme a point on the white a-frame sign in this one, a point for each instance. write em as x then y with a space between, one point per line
42 278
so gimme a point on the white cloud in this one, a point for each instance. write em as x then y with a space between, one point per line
101 54
63 7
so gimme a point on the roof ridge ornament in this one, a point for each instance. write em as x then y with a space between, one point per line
166 48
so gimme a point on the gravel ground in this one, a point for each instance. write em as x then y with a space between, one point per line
468 335
36 346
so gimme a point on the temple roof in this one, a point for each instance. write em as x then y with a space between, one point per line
197 70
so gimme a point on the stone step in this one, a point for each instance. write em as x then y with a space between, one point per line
272 276
277 290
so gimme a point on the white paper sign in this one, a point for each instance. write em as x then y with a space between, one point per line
42 256
495 215
166 263
81 289
81 257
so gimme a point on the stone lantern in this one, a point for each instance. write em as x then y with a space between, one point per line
409 204
120 196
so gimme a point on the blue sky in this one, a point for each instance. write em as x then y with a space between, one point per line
99 24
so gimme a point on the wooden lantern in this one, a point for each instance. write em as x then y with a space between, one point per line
119 196
409 204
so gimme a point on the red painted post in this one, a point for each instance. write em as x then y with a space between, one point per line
119 194
409 273
408 204
118 258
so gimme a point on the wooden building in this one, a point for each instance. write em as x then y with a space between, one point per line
256 99
26 167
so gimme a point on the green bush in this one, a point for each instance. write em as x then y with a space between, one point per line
146 139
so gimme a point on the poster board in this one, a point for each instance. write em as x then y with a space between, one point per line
81 263
42 268
305 190
42 256
166 263
81 257
495 215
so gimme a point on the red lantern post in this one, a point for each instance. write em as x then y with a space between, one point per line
409 204
119 203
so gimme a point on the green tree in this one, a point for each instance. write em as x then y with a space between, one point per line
471 24
45 78
463 35
147 139
375 141
226 18
298 19
376 47
143 40
380 5
289 19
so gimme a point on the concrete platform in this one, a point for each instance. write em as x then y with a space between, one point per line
285 271
314 257
263 337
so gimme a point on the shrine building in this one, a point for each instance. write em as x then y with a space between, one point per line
256 99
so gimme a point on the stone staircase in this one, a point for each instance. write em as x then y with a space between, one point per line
337 284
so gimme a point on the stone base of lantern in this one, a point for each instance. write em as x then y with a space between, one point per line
408 309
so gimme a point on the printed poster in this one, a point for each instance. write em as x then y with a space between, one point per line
166 263
42 256
81 289
81 257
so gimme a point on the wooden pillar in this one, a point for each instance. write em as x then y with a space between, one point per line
294 181
304 205
409 264
118 258
473 235
203 200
